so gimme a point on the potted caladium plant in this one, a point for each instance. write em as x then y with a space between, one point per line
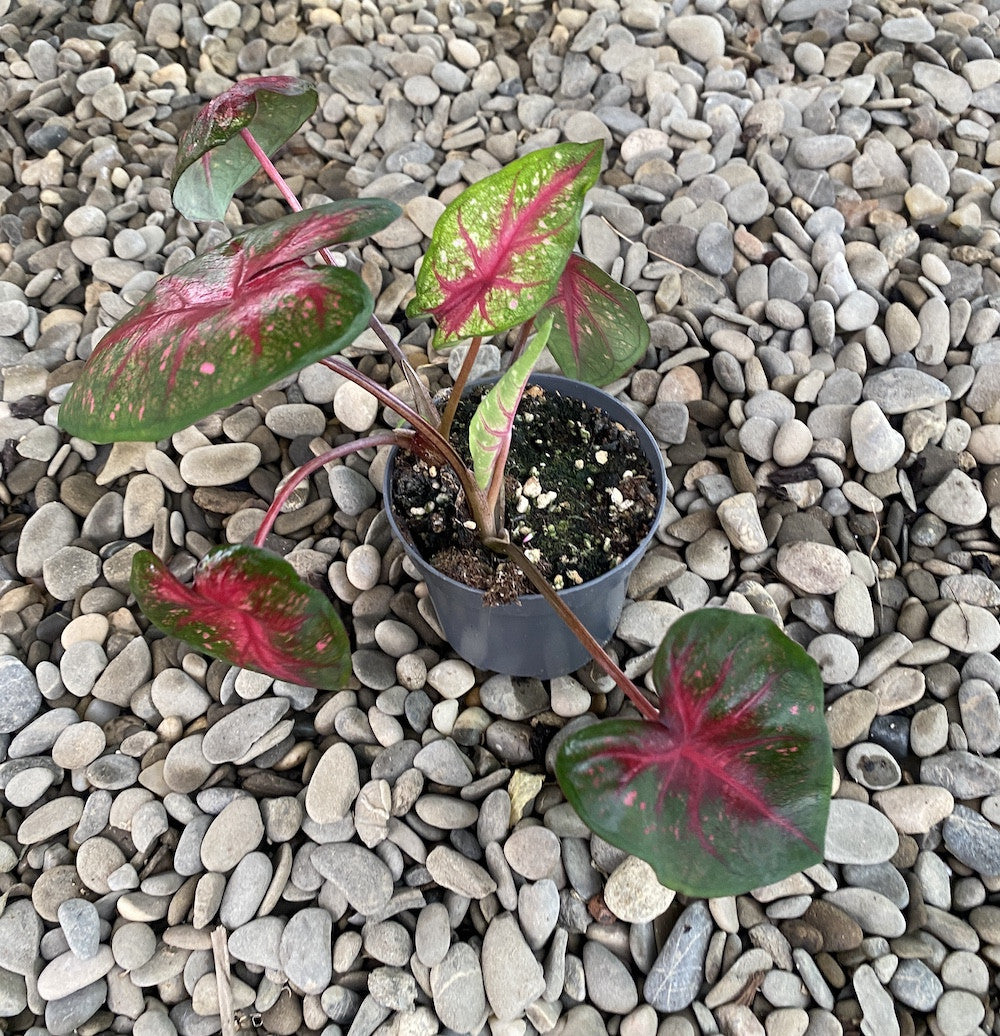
724 784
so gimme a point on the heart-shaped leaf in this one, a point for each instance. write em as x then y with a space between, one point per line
213 161
730 789
225 325
492 424
248 607
599 331
498 249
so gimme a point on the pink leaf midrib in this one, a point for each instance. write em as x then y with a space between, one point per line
571 299
711 746
469 291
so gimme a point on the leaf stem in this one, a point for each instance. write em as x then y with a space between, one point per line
522 339
494 491
400 438
428 439
420 393
459 387
597 652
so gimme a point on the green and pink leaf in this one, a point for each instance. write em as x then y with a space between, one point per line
499 248
492 425
248 607
599 332
225 325
730 789
213 161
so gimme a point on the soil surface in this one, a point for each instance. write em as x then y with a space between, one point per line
579 498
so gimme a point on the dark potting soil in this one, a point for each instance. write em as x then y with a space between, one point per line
580 497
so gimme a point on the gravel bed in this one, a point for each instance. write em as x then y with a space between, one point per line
803 194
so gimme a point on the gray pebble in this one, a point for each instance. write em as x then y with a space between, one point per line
813 568
980 711
41 733
458 990
913 27
876 914
352 492
433 934
359 875
443 762
20 698
538 911
877 445
901 390
48 529
858 833
219 465
512 976
715 248
958 1012
513 698
233 735
957 500
609 985
388 942
668 422
973 840
458 873
873 767
836 657
700 35
364 565
633 892
677 973
289 420
236 831
81 925
67 1015
245 890
70 570
15 314
966 628
67 973
305 950
949 90
133 944
747 202
20 934
915 985
258 942
876 1004
174 693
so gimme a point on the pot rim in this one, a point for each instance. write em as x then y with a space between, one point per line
556 382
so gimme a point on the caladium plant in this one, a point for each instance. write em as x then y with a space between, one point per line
735 762
724 784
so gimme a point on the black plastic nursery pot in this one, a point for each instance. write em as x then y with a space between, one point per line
527 638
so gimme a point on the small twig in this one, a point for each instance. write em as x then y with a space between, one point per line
223 979
665 258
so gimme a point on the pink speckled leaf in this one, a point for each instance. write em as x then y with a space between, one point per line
599 332
492 425
248 607
730 789
498 249
225 325
213 161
